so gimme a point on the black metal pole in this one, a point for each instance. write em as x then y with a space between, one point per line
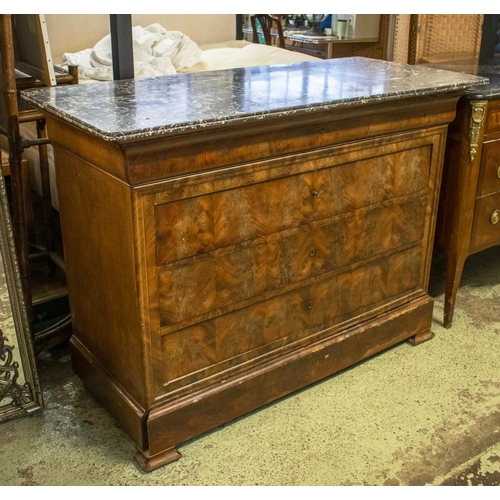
239 26
122 47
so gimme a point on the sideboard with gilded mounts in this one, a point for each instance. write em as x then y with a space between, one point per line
469 211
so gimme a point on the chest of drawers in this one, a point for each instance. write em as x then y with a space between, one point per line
469 212
274 227
216 291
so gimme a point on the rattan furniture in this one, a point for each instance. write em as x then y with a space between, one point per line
442 37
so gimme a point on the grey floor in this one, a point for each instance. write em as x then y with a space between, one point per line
426 415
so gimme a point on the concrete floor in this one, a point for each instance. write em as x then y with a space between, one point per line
426 415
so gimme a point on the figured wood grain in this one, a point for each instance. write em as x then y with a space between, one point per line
291 316
188 289
198 225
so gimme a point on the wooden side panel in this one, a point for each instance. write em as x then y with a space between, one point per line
98 239
457 171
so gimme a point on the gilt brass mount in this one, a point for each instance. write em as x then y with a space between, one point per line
476 123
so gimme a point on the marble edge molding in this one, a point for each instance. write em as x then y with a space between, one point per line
487 93
183 127
161 130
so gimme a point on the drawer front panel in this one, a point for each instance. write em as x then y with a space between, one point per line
489 181
250 332
198 225
492 123
220 279
485 233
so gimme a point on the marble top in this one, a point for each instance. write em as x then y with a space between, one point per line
488 68
149 107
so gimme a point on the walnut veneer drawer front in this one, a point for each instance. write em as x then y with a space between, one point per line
220 279
486 226
231 339
489 177
198 225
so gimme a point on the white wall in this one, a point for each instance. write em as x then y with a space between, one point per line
74 32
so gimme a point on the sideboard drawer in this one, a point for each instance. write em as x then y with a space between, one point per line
486 227
492 122
489 181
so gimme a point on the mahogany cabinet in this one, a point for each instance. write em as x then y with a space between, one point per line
213 268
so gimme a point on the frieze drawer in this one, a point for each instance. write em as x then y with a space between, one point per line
492 122
489 177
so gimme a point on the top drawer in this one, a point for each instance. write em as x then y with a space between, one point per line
489 180
202 224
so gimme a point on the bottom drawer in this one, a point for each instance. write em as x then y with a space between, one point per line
486 227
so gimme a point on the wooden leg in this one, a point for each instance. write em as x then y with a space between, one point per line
421 337
45 183
454 271
149 463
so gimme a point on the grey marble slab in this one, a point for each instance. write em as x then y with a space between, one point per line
488 68
149 107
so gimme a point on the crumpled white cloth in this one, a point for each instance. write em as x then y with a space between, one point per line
156 52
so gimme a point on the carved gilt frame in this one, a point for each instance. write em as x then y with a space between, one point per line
20 391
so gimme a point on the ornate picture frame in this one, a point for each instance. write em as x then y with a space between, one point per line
20 391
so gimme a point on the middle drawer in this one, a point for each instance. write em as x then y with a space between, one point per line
221 278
